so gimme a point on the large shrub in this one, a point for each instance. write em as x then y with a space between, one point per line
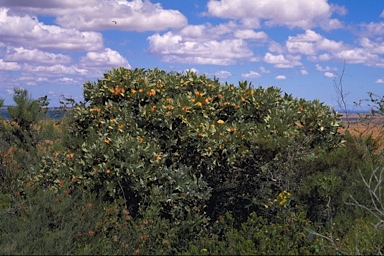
190 146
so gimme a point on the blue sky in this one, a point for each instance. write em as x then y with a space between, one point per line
52 47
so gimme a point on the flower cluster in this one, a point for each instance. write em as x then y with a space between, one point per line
282 198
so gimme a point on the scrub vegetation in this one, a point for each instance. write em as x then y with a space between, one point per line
168 163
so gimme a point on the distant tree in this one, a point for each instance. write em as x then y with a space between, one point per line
25 116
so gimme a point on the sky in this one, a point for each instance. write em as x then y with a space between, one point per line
52 47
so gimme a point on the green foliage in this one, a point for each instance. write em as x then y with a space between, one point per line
168 163
187 142
258 236
25 116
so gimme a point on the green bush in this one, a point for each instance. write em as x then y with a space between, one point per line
168 163
192 146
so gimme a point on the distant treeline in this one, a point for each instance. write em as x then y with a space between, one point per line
52 113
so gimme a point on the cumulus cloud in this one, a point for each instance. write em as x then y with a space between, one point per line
107 58
329 74
9 66
179 48
311 43
223 74
373 47
280 61
264 70
300 13
251 74
55 69
137 15
250 34
280 77
20 54
26 31
358 55
371 29
379 81
303 71
324 69
194 70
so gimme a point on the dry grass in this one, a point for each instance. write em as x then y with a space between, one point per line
365 126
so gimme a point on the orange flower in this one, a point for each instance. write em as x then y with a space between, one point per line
152 92
153 108
106 141
157 157
219 96
61 183
108 171
220 121
89 205
140 139
69 156
91 233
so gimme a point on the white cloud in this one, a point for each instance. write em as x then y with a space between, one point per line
223 74
199 60
341 10
107 58
208 31
303 71
324 69
55 69
280 61
177 48
251 74
137 15
264 70
373 47
194 70
358 55
28 32
372 29
20 54
10 66
280 77
276 47
250 34
299 13
379 81
329 74
311 43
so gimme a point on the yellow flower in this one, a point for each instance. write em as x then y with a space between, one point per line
220 121
266 206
